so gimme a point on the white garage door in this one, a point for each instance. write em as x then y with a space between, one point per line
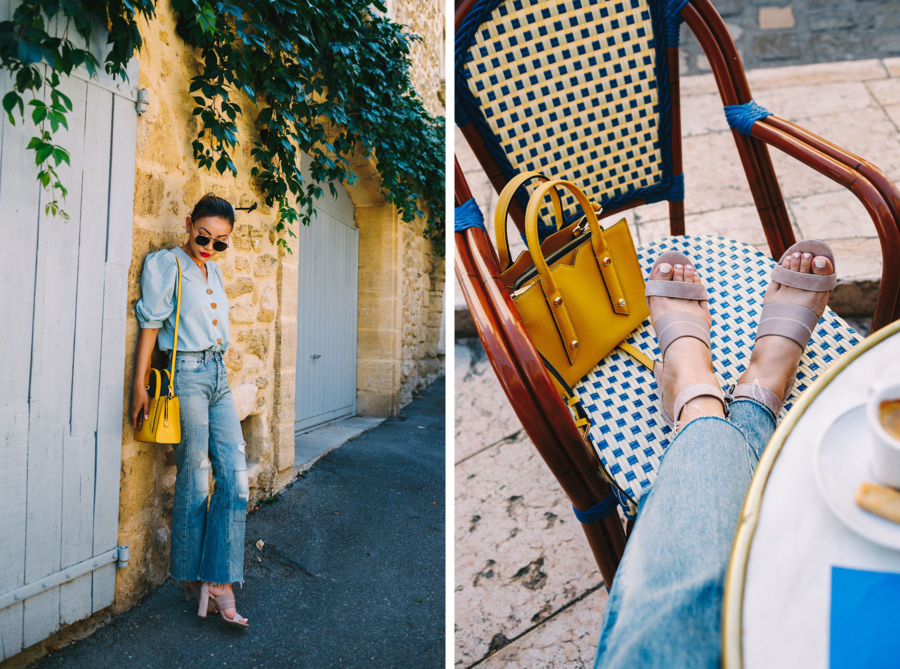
326 314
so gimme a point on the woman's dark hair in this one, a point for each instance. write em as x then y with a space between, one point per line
213 205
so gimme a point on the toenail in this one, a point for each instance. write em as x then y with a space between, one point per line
820 263
796 255
679 267
807 255
665 268
689 267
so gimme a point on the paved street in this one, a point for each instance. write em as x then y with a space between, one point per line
770 34
351 573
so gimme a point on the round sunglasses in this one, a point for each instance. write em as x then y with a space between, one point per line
204 240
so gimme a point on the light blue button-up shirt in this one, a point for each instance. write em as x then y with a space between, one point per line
204 305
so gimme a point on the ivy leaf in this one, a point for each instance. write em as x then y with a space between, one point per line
28 53
43 153
10 101
61 155
206 19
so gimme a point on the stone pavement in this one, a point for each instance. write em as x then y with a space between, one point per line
854 104
769 33
350 574
527 587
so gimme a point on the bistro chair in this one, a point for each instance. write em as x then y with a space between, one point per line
588 90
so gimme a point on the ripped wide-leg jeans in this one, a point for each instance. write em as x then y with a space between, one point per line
208 539
665 605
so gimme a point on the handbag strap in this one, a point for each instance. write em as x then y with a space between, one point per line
506 196
175 342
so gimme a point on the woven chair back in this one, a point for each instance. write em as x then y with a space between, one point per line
575 89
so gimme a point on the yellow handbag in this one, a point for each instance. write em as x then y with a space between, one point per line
581 292
164 424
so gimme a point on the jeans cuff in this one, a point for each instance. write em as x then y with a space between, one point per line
760 405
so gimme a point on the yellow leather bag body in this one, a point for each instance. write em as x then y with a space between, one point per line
581 292
164 423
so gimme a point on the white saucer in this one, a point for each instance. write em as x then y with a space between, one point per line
843 461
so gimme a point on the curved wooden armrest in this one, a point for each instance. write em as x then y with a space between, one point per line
876 176
882 213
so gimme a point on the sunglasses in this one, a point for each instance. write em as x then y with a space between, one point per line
203 240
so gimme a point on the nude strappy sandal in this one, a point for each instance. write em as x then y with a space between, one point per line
192 592
675 325
793 321
222 602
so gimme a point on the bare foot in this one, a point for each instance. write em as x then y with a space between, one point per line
218 589
775 359
688 360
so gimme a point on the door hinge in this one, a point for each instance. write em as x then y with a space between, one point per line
119 555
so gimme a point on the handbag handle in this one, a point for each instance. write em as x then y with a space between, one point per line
506 196
602 256
156 387
175 342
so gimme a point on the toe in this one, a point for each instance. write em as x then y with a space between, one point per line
805 263
697 278
822 265
678 273
689 274
795 262
663 272
786 263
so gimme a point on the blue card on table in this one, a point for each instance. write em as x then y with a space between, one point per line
865 625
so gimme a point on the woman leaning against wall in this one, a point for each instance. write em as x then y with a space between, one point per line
207 543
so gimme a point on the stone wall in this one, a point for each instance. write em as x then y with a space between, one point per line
400 293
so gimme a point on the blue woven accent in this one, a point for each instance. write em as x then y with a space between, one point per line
742 117
674 20
469 111
468 215
599 511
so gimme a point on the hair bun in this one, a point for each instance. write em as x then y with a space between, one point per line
213 205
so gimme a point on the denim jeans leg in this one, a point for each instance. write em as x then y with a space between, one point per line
665 605
223 546
756 422
192 480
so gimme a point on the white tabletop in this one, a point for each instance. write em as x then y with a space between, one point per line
780 618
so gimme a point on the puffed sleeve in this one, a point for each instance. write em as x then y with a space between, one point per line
157 290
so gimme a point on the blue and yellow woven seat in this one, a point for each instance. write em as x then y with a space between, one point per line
620 395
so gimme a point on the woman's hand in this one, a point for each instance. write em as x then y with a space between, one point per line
140 400
140 404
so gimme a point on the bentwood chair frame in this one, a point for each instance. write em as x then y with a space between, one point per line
543 413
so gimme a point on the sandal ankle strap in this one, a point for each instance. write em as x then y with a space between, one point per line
695 390
762 395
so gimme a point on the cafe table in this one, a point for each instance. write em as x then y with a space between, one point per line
778 591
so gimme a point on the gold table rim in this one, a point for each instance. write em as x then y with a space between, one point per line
733 603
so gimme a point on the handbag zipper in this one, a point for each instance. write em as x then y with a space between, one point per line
532 271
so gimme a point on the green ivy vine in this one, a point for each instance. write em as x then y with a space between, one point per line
329 77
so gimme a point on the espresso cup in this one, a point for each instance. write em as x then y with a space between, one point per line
885 446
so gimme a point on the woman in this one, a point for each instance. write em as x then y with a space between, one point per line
665 605
207 545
